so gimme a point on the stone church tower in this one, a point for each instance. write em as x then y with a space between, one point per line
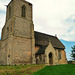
17 41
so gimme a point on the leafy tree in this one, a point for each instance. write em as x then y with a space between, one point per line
73 53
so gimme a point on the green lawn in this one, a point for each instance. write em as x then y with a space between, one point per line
68 69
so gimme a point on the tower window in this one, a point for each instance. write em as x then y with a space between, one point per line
23 11
8 56
9 11
7 28
11 27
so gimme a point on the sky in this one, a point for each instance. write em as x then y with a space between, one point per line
68 45
50 17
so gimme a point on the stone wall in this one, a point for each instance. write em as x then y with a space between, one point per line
21 50
5 30
18 9
40 59
4 45
71 62
6 51
63 59
22 27
11 4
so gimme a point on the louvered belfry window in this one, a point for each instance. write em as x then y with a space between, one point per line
23 11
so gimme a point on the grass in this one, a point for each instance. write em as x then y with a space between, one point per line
20 69
68 69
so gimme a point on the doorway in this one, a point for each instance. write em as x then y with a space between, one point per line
50 58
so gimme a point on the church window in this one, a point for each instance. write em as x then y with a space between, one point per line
11 27
23 11
7 28
59 52
9 11
8 56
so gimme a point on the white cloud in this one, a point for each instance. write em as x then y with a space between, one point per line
3 4
2 21
50 17
54 13
2 13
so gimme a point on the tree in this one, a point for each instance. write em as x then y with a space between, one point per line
73 53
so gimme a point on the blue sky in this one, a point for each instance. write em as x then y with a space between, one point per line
68 45
51 17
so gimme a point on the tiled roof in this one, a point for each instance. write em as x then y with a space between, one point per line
43 40
41 50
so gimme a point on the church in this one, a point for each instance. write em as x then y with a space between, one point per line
21 45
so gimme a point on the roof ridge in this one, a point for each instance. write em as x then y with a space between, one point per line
45 34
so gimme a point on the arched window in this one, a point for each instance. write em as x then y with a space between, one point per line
9 11
23 11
